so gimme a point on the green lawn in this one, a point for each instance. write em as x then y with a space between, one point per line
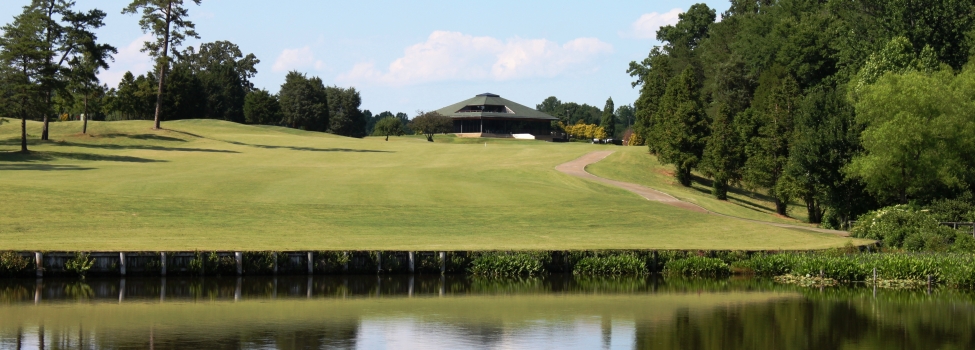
220 186
636 165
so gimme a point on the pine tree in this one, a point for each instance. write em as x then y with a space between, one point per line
682 126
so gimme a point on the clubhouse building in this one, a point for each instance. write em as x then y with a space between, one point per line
489 115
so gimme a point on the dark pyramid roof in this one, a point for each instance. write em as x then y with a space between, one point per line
520 111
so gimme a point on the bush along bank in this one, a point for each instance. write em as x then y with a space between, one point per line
893 269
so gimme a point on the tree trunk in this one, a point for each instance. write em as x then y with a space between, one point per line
683 176
162 67
719 189
23 133
812 210
84 127
387 137
780 206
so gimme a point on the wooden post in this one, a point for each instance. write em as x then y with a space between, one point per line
308 289
875 276
239 258
929 284
39 264
274 256
311 267
443 263
121 263
162 259
412 257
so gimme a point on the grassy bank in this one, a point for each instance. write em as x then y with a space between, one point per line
211 185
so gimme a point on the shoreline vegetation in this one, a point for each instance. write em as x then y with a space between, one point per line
885 269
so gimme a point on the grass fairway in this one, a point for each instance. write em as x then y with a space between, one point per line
213 185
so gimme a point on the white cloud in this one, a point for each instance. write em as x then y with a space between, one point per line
129 58
456 56
291 59
647 25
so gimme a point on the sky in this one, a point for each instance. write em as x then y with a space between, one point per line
405 56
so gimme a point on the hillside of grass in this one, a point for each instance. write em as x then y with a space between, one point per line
213 185
636 165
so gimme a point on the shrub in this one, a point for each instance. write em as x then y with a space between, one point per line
615 265
212 263
331 262
258 262
80 264
903 227
697 266
508 264
12 264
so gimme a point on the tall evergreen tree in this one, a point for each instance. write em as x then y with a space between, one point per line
609 119
682 126
24 54
166 19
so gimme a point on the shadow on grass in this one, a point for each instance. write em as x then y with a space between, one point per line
41 167
142 147
35 156
310 149
741 193
142 137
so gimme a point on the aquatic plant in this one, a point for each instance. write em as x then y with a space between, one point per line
698 266
508 264
610 265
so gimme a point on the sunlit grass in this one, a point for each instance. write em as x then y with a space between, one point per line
216 185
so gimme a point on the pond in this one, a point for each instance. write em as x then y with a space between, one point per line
453 312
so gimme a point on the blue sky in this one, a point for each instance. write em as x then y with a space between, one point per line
422 55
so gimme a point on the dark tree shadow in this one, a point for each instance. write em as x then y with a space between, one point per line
49 156
142 137
40 167
142 147
741 193
310 149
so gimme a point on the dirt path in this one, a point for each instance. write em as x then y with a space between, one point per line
577 168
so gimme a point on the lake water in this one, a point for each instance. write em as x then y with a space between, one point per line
430 312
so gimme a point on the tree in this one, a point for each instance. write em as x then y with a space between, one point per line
345 118
652 74
388 126
609 120
64 42
431 123
24 54
84 73
624 118
166 19
261 107
683 126
917 135
768 129
304 102
224 73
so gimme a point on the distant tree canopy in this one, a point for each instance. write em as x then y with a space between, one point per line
843 105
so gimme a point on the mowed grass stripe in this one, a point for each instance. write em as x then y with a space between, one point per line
213 185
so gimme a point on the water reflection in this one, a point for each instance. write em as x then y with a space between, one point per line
430 312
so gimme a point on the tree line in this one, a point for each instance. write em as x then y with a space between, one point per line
50 59
614 121
843 105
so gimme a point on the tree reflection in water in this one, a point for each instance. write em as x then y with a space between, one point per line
459 312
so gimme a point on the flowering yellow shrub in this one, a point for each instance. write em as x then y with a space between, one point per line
584 131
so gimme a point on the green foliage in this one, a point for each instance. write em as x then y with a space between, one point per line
610 265
212 264
918 134
501 264
697 266
331 261
388 126
345 118
12 265
431 123
261 107
80 264
609 119
304 102
763 264
904 227
683 126
257 263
